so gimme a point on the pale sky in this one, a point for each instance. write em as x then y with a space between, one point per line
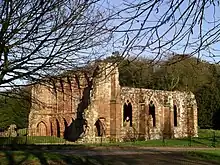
210 16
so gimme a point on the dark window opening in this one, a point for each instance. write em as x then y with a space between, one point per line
66 129
100 126
175 115
58 128
51 128
152 112
128 112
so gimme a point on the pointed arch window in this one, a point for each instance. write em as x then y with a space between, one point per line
128 112
152 112
175 115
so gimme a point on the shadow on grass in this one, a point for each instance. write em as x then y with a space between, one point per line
153 157
213 155
15 147
125 157
46 158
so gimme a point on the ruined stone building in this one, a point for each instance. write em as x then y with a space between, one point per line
91 104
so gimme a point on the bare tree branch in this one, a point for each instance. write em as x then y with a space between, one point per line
168 26
41 38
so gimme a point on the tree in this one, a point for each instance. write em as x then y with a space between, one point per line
133 71
41 38
208 100
15 108
182 72
159 27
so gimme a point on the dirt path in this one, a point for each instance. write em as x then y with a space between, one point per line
129 150
139 156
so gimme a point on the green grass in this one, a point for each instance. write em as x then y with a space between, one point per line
37 158
205 139
48 158
31 140
206 155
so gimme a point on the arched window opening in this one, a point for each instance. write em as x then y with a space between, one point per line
175 115
128 112
66 128
51 129
65 123
58 128
100 126
42 129
152 112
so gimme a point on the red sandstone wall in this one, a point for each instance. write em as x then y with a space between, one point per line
164 102
58 104
53 109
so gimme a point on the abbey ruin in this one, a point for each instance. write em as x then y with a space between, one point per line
85 105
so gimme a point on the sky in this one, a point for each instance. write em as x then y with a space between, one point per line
209 16
145 38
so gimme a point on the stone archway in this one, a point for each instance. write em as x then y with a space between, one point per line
100 126
58 128
65 133
41 129
53 126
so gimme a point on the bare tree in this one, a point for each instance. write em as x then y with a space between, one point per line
161 27
41 38
46 37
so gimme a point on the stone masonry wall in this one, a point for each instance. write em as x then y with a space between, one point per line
70 107
54 110
164 102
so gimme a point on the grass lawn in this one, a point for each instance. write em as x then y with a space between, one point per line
31 140
38 158
49 158
206 139
206 155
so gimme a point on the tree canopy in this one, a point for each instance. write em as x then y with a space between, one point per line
15 108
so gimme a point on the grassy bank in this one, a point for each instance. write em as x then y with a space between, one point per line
205 155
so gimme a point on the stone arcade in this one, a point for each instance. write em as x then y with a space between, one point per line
84 106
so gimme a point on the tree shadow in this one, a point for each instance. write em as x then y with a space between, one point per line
46 158
98 157
9 158
77 128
